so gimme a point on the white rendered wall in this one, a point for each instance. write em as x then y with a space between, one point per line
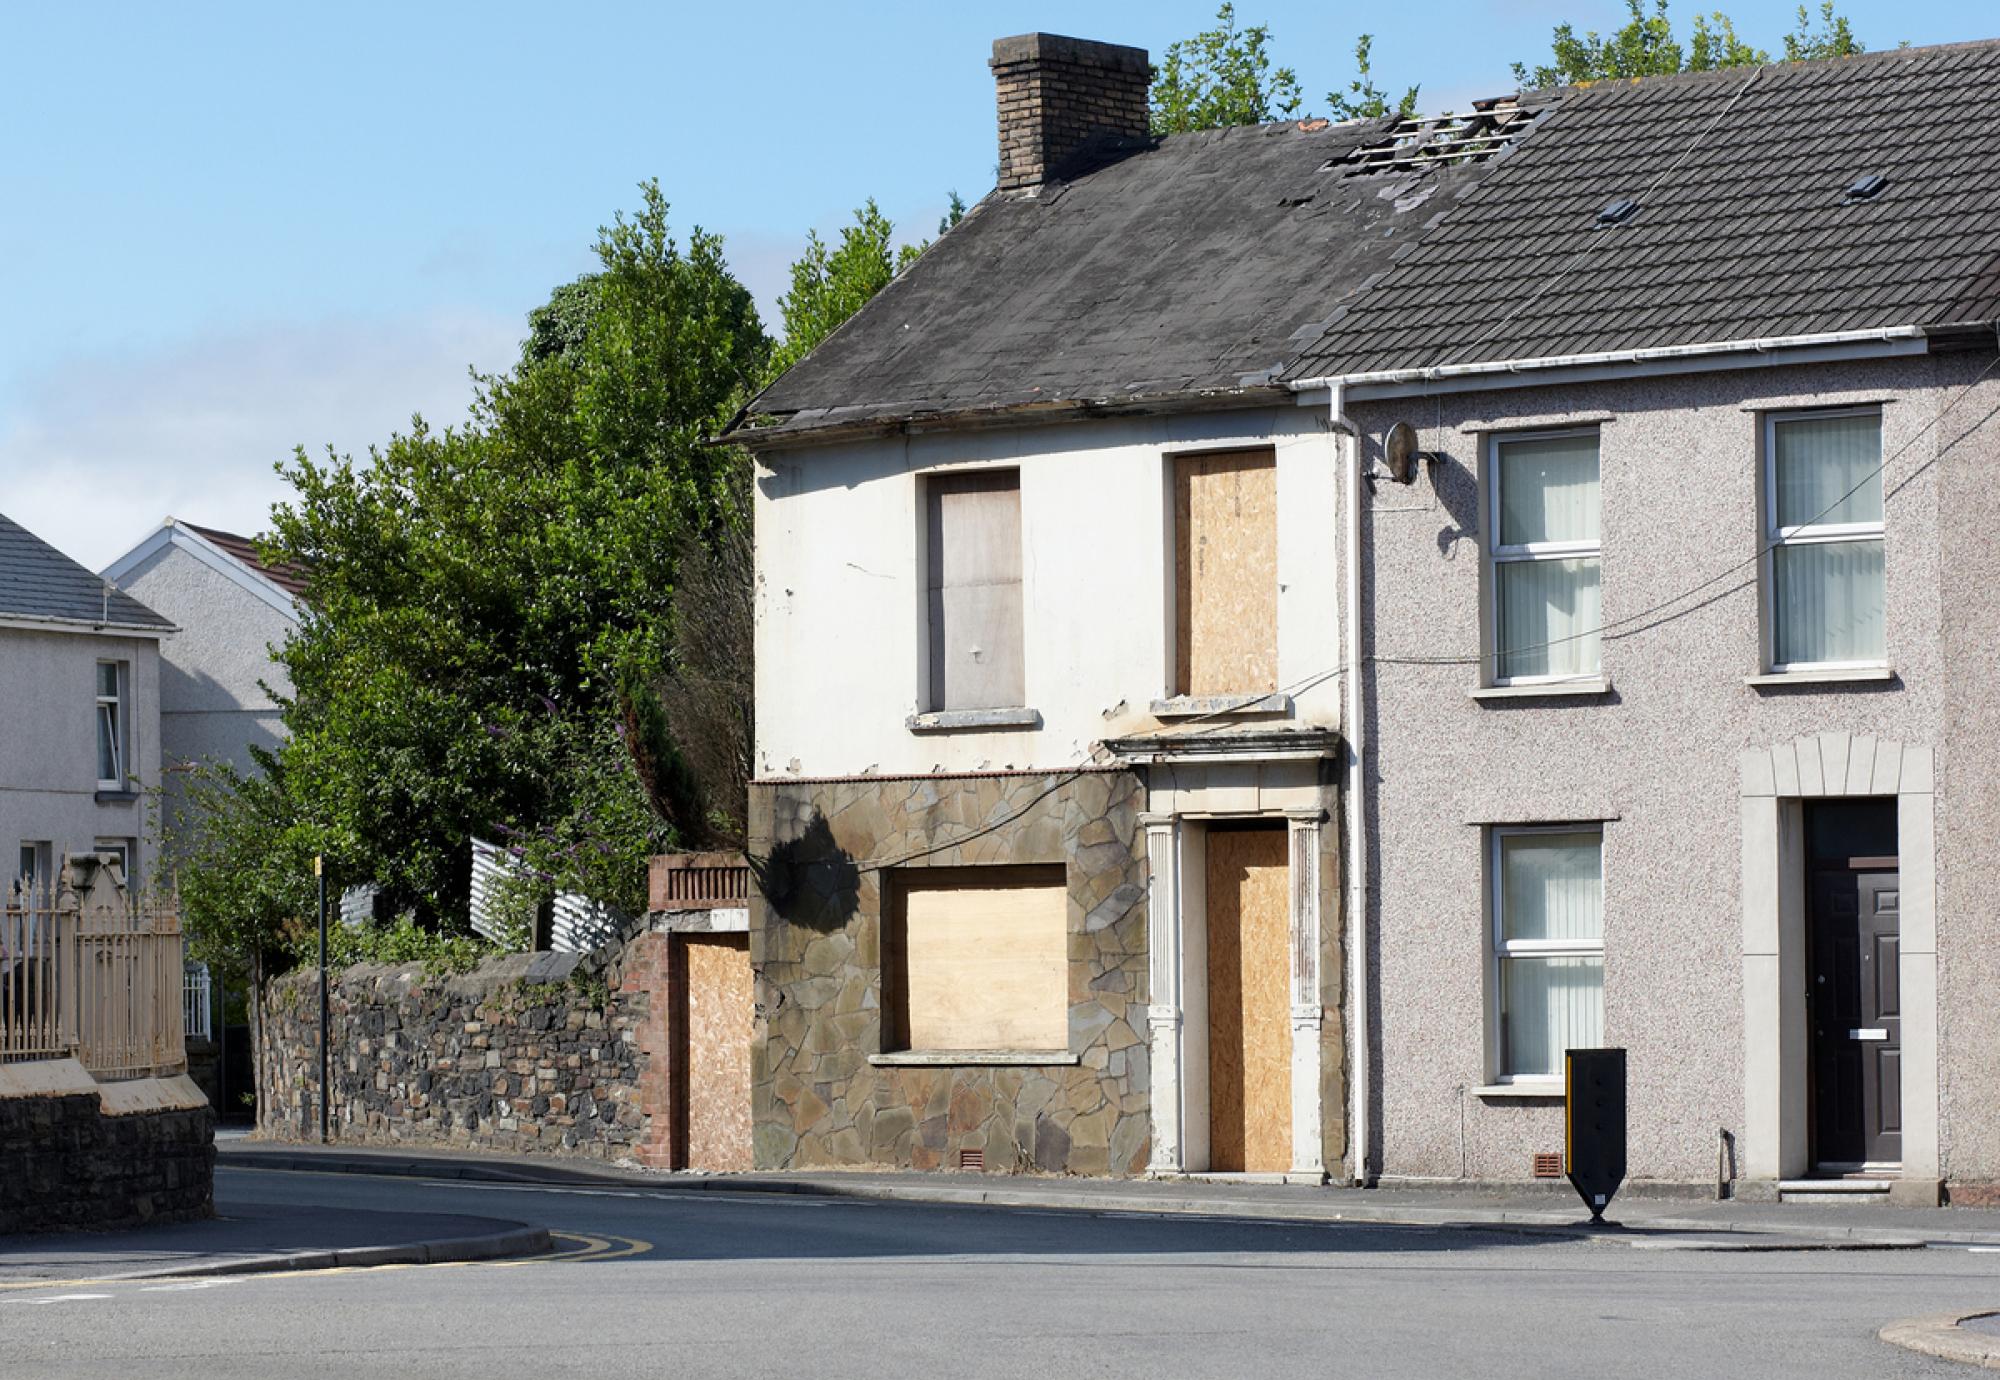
840 588
48 745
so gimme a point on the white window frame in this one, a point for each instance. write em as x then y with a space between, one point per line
42 853
1811 534
1500 948
1497 555
121 745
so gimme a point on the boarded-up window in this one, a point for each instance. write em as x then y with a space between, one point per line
1226 573
974 538
978 959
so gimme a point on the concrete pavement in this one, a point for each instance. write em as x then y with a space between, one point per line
1648 1219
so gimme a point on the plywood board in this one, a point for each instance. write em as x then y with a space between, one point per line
985 966
1226 573
973 529
1249 1007
716 1054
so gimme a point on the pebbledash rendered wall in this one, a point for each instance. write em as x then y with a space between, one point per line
528 1053
817 1097
1660 756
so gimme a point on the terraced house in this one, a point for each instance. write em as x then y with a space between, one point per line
1268 636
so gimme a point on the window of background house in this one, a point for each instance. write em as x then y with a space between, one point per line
1823 506
1226 573
978 959
1543 560
36 855
120 850
1548 945
111 725
973 524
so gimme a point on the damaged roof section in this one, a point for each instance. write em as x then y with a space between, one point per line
1190 269
1709 209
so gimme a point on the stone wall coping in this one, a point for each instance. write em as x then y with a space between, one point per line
131 1096
46 1078
401 978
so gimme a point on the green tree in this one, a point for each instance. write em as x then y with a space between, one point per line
479 595
832 282
1834 38
1646 45
1222 76
1363 100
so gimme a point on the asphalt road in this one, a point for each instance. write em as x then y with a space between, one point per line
653 1282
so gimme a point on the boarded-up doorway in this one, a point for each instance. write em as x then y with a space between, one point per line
713 1017
1249 1028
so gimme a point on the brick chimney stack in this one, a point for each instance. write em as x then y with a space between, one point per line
1063 99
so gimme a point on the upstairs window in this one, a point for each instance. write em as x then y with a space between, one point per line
111 682
1226 573
1544 617
973 541
1824 531
1548 946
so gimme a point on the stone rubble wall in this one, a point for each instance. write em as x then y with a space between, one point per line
816 1099
529 1053
66 1164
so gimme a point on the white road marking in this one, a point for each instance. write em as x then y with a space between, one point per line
67 1298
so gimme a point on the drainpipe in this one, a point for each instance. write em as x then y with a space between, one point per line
1347 457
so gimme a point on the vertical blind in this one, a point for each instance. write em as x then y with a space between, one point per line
1828 595
1547 612
1550 946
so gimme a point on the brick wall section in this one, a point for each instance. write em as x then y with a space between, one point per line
528 1054
65 1165
1063 99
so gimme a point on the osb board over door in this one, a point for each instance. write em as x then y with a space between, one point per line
1226 573
714 1051
1249 975
981 959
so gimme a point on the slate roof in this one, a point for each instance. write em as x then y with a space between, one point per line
1207 268
39 582
1176 270
1742 232
243 550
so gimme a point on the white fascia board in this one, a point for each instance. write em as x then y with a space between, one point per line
172 533
86 626
1622 364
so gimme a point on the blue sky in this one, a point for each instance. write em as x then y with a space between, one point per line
227 230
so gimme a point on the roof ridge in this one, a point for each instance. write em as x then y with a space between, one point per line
1775 65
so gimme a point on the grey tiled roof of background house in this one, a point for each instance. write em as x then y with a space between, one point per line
37 581
1742 231
1185 267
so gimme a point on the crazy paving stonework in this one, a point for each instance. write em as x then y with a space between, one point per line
529 1053
816 945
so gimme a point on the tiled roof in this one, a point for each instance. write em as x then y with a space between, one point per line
1183 268
1203 268
1742 231
243 550
37 581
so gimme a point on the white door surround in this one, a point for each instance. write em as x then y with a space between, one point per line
1176 837
1777 781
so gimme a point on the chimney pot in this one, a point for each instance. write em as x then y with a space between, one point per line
1063 100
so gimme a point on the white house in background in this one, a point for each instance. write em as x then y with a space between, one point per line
80 683
232 609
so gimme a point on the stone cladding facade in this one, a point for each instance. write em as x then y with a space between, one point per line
67 1164
823 848
528 1053
1060 97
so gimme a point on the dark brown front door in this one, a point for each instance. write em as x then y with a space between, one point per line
1856 1014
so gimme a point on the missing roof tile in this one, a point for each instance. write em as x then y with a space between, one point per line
1417 143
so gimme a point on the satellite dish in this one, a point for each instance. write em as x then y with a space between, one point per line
1399 453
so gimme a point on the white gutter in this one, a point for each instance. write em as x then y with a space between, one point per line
1516 373
1347 456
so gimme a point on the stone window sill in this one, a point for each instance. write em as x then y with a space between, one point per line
1545 689
116 797
948 1058
1221 706
960 720
1524 1088
1832 675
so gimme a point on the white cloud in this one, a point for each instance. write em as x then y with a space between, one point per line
96 451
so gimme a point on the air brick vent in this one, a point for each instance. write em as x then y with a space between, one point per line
1549 1164
974 1160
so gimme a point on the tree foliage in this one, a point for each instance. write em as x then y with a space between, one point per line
1646 45
1363 100
1222 76
478 595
